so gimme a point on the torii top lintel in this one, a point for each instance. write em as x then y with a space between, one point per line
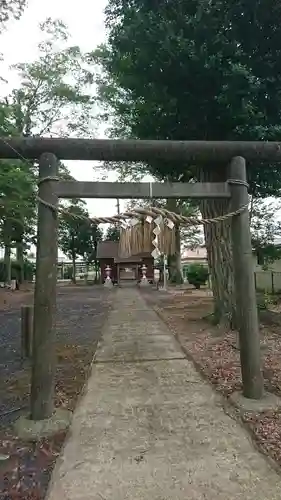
139 150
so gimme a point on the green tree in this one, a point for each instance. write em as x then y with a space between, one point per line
10 9
196 70
112 233
16 212
51 99
77 235
96 235
265 230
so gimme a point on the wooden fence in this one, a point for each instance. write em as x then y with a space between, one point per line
268 281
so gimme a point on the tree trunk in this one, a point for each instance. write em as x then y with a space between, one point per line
174 261
7 251
96 267
74 268
8 264
20 261
87 273
219 251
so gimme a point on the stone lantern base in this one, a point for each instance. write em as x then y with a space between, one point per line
144 282
108 283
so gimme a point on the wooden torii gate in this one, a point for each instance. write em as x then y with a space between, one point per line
49 151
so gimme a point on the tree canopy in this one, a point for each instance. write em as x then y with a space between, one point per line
10 9
112 233
194 70
51 99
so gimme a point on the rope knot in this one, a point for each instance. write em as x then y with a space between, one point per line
48 178
238 182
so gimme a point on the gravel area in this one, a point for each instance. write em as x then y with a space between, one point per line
81 313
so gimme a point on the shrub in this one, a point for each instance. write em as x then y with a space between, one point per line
197 275
28 270
265 300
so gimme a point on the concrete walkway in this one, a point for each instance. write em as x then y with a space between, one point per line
148 427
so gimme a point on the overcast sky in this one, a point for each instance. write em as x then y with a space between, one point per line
85 20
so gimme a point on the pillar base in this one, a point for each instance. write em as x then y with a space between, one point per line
267 402
144 282
33 430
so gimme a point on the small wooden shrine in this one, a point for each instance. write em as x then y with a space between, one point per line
123 268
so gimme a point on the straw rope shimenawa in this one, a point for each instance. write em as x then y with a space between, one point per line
137 237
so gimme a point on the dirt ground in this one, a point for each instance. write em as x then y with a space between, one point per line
216 355
9 299
25 468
